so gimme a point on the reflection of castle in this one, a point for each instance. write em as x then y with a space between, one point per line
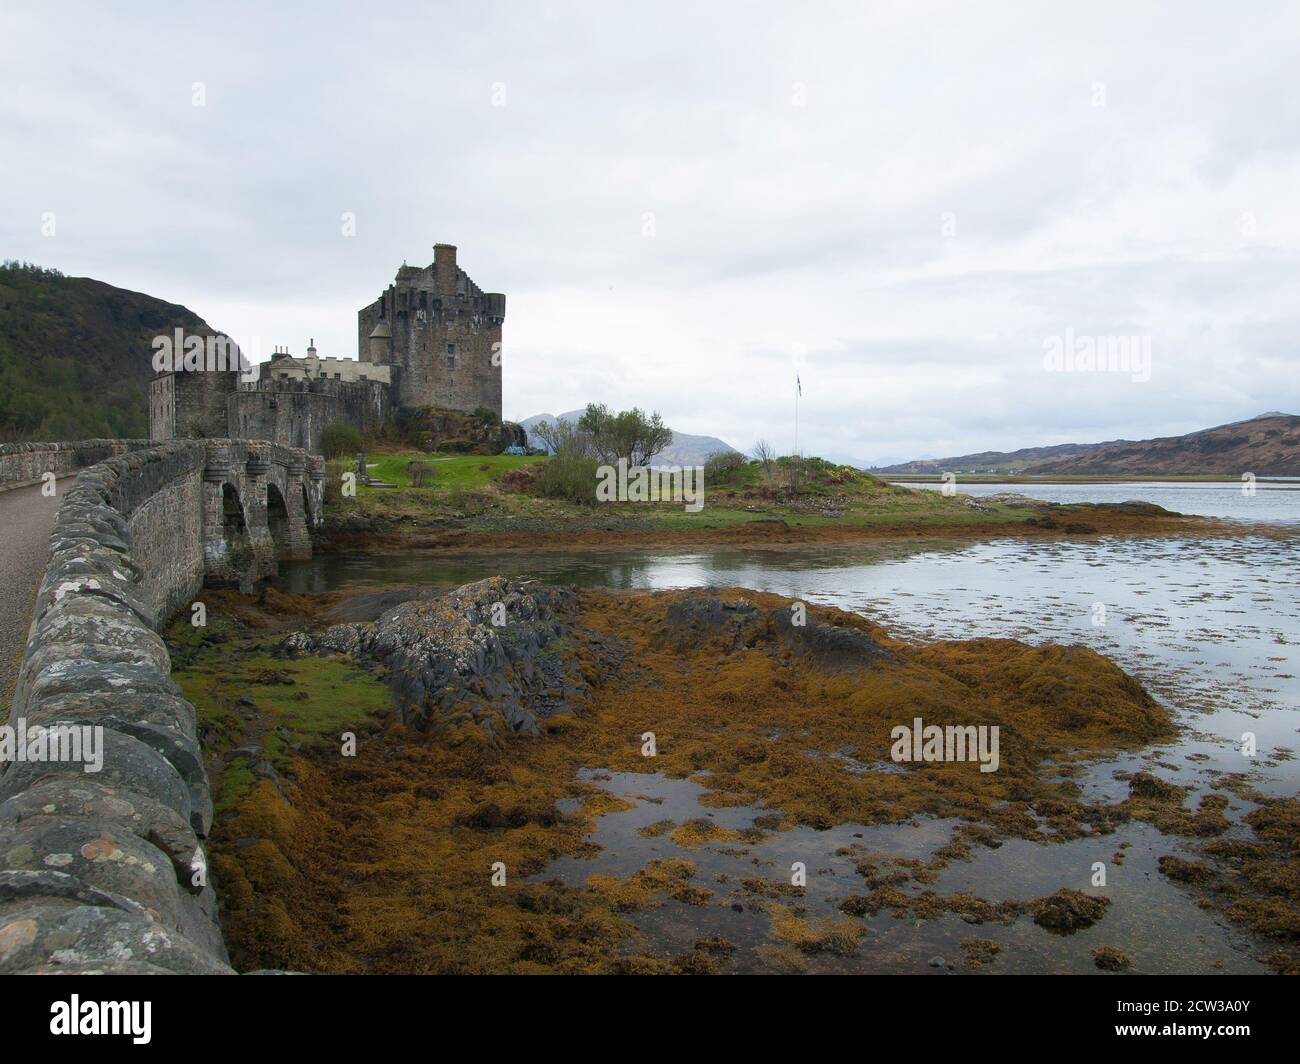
432 339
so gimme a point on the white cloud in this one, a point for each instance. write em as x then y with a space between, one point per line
801 163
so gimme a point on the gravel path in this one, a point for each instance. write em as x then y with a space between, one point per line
26 517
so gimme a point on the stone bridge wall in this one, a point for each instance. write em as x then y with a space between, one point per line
106 870
27 463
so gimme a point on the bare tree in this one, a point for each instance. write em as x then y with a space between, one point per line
564 438
766 455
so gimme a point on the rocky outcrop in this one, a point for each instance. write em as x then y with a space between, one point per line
736 624
491 653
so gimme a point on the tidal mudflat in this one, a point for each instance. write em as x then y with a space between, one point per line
685 862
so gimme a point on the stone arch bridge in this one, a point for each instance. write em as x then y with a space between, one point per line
103 866
260 502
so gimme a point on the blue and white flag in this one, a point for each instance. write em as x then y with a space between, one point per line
798 386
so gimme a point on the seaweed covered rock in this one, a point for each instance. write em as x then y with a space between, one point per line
835 647
492 653
1068 911
711 618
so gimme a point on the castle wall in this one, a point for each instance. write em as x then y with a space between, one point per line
295 413
162 408
190 405
345 369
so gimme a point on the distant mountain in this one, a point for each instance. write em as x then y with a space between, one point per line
1267 445
842 458
684 450
987 461
76 355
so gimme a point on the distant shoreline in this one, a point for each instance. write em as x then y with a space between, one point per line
1079 478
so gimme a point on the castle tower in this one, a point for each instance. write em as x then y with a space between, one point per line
440 333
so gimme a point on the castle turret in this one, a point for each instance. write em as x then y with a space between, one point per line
377 343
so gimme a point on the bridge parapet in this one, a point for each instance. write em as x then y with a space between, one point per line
106 870
27 463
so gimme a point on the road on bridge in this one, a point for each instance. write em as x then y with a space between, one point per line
26 517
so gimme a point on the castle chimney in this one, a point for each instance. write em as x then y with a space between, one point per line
444 269
311 348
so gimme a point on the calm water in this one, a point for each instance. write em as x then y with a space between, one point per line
1272 501
1212 627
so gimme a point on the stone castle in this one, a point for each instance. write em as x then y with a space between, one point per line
432 339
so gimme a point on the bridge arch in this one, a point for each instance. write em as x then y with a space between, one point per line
278 521
234 548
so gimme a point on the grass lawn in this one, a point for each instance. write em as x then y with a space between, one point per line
296 703
466 472
461 486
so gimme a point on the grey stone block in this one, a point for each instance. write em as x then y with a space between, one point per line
145 816
97 853
129 765
60 934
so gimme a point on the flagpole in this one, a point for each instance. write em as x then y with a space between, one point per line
796 415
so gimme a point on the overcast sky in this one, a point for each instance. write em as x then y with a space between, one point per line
686 204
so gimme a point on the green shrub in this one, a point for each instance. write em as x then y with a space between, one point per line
569 477
486 414
722 466
334 471
340 438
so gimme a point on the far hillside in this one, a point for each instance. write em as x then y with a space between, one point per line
1267 445
76 355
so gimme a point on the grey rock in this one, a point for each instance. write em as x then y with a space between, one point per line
145 816
129 765
99 854
834 647
60 934
447 660
734 623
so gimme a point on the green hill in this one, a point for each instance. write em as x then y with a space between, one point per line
75 355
